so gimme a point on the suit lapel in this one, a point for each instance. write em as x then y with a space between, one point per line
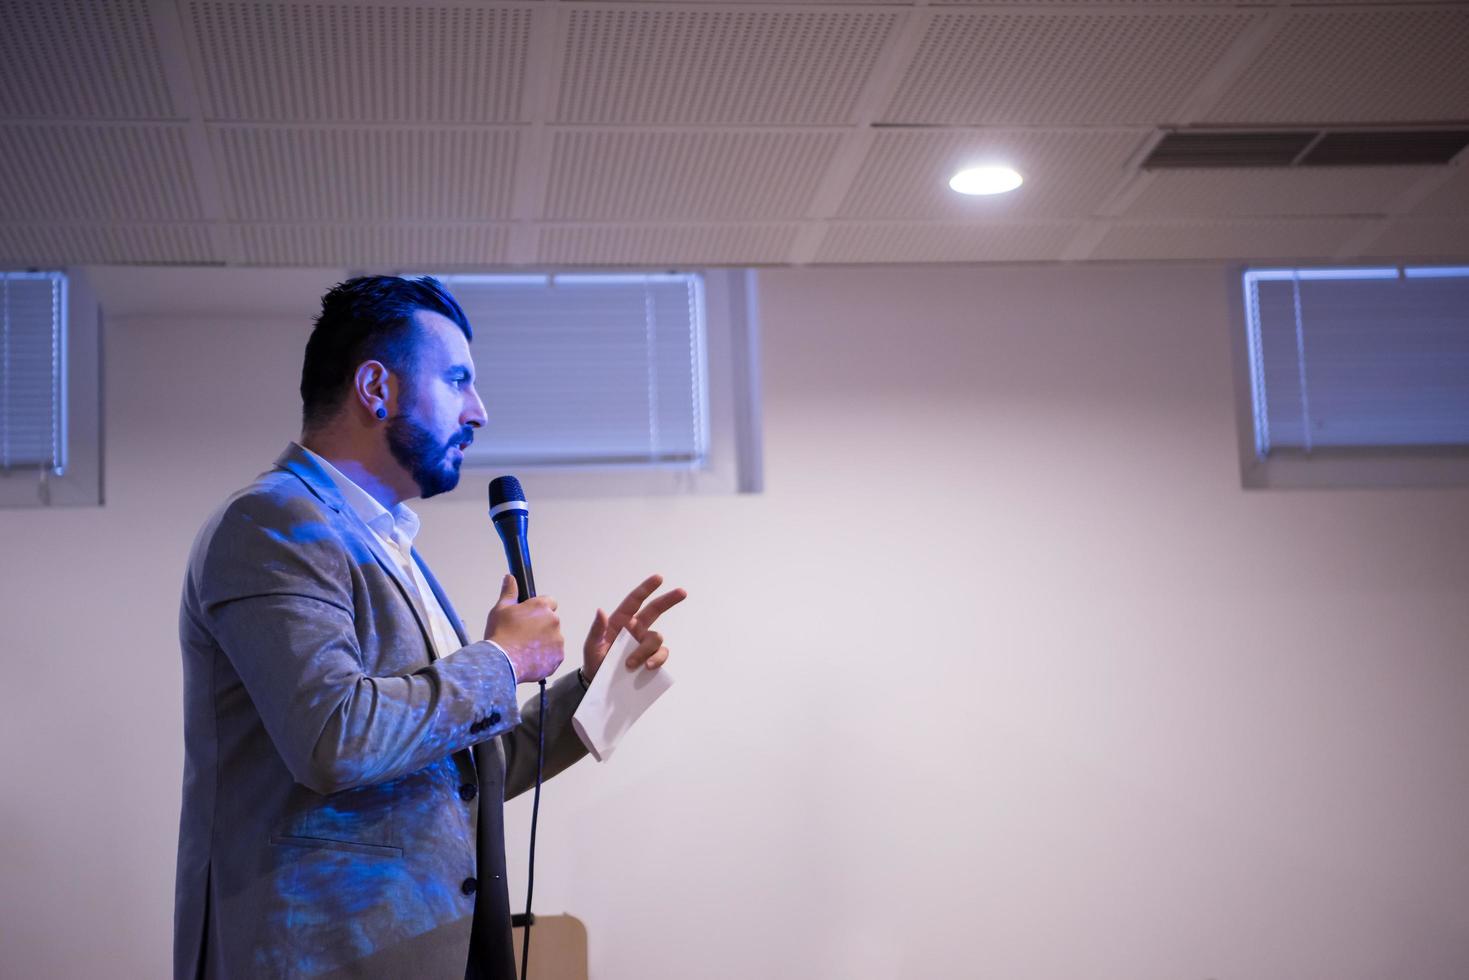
296 461
443 599
380 552
472 764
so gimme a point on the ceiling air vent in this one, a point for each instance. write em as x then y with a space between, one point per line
1305 148
1380 148
1273 148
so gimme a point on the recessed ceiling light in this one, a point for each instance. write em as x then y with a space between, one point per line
986 180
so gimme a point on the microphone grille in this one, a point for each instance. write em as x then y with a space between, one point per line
504 489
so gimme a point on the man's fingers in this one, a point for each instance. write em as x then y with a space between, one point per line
628 608
649 613
509 591
614 627
632 615
651 641
650 656
596 634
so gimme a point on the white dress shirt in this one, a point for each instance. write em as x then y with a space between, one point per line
396 529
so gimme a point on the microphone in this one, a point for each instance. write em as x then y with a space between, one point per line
512 519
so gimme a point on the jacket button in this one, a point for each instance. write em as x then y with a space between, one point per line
475 728
469 886
467 791
494 718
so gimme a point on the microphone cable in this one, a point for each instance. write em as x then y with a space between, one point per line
535 812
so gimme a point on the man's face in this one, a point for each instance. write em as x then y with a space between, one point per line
439 408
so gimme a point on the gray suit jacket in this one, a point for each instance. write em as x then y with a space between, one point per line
342 785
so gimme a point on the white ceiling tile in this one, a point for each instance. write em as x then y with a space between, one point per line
863 242
81 59
1038 68
424 248
667 245
1405 64
809 3
96 173
405 175
75 244
1422 239
1452 198
380 131
1245 240
688 175
1274 191
646 65
1091 5
1067 173
361 62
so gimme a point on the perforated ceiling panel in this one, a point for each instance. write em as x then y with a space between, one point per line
352 174
361 62
1250 240
95 173
667 244
815 3
1446 240
906 173
377 247
1357 66
647 65
80 58
1036 68
685 175
58 244
861 242
1222 193
1092 4
467 133
1452 198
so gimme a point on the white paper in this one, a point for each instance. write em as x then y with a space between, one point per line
617 698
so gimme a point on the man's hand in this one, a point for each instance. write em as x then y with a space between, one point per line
529 632
636 618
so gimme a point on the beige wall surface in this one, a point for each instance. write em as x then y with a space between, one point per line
1003 676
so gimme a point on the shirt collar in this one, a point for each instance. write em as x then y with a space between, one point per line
399 524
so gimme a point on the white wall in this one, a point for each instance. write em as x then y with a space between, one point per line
1002 677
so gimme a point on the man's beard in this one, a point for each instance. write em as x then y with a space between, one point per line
423 456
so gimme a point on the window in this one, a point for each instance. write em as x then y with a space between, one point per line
1358 375
50 390
616 381
32 372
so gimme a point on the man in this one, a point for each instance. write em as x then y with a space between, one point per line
347 749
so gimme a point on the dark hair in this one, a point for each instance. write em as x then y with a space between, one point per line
367 318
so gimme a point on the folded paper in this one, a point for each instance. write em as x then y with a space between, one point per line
617 697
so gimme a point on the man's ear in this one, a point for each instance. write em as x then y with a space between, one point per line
372 388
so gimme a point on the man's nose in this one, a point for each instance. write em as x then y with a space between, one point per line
474 412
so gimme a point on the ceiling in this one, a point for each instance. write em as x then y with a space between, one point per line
448 134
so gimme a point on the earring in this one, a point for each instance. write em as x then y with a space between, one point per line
382 413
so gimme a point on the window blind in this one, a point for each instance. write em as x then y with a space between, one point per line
1358 358
580 370
33 371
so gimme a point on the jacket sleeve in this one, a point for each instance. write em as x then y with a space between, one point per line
563 747
274 584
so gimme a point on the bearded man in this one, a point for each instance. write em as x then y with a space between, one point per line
347 748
